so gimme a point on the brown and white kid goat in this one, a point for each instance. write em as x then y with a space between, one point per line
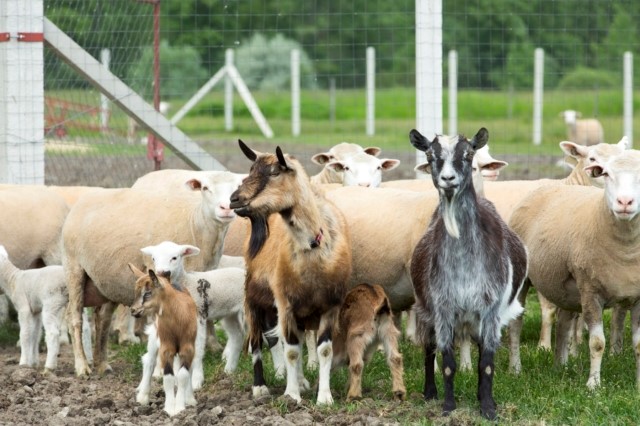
298 254
176 322
365 322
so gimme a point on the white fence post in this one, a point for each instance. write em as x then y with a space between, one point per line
453 92
22 92
428 70
295 92
371 91
628 96
105 106
538 88
228 93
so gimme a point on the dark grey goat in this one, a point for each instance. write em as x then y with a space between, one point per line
467 269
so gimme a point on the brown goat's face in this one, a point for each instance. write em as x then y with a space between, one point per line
266 189
146 294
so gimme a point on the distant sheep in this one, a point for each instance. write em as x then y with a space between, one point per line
587 131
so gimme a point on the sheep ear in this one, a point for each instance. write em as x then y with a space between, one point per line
423 167
494 165
373 150
194 184
418 141
188 250
336 166
480 139
595 170
248 152
573 149
389 163
624 143
137 272
322 158
281 160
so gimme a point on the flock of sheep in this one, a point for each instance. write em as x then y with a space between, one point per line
280 258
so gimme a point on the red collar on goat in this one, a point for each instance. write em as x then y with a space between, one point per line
316 241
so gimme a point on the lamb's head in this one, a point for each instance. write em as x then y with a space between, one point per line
450 159
168 258
580 156
216 189
621 183
273 184
362 169
570 116
147 292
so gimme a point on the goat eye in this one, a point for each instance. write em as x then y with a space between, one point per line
274 174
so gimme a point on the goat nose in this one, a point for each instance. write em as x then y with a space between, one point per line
447 178
624 201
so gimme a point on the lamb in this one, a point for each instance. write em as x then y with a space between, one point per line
586 131
104 225
337 153
586 260
219 295
365 322
299 255
174 335
40 297
467 270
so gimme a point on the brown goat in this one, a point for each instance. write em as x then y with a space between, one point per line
298 255
365 322
175 323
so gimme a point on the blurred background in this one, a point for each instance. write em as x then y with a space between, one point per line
306 75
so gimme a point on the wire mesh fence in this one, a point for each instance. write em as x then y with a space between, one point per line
89 141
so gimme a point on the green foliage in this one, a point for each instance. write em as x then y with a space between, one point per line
586 78
265 64
181 72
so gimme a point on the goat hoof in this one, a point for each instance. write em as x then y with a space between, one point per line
104 369
489 413
448 407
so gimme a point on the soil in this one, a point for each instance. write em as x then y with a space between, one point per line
31 398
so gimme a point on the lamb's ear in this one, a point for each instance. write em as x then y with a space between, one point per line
595 170
248 152
137 272
336 166
418 141
322 158
389 163
480 139
373 150
188 250
624 143
423 167
574 150
194 184
281 160
494 165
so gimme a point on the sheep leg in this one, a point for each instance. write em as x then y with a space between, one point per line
212 338
486 368
580 328
312 354
515 331
26 320
197 375
389 334
52 320
448 372
592 311
565 322
548 311
75 278
35 342
4 308
148 365
618 316
125 326
410 330
102 317
635 337
325 354
87 331
235 338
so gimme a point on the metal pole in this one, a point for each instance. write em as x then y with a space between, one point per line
295 92
105 109
628 96
453 92
228 92
155 149
538 88
371 91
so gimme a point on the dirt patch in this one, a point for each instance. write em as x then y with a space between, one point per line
29 397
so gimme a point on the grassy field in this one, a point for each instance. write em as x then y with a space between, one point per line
542 394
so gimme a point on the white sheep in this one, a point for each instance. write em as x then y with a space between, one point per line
587 131
40 297
112 224
360 169
583 250
219 295
336 153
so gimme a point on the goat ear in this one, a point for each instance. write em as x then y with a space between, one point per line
281 160
154 279
248 152
480 139
373 150
137 272
389 163
418 141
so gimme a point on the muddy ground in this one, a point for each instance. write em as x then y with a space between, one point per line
30 398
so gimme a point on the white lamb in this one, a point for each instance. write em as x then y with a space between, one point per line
40 297
219 295
587 131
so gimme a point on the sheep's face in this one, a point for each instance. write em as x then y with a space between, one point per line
216 192
270 186
168 258
581 156
450 159
621 183
362 169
